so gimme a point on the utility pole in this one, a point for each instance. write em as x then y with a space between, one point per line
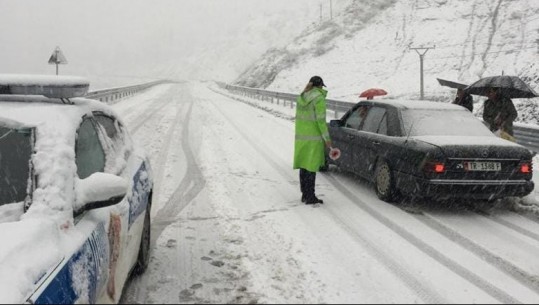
421 52
331 9
320 12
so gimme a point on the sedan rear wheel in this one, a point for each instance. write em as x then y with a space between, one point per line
384 183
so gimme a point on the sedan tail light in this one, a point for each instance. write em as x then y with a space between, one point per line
439 168
434 167
526 167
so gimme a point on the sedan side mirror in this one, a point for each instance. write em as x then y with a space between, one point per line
98 191
335 123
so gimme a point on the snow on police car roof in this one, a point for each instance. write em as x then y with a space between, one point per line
38 239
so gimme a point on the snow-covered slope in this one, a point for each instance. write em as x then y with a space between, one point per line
367 44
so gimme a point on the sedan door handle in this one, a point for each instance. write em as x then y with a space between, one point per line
350 136
376 143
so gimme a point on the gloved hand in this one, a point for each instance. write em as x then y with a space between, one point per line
334 153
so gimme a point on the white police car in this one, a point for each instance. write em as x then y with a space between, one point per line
75 195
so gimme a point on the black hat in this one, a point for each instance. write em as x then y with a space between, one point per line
317 81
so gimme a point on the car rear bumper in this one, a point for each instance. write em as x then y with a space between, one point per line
477 189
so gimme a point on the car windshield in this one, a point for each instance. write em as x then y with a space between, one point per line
442 122
15 154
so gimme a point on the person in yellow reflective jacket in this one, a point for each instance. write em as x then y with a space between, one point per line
312 136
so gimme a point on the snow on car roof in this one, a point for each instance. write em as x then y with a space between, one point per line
415 104
466 140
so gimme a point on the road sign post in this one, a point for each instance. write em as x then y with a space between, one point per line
57 58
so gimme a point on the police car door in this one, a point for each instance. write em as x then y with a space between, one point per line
82 276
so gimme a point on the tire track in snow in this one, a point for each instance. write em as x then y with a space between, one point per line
145 117
527 211
511 226
523 277
425 293
136 290
426 248
191 185
162 158
126 112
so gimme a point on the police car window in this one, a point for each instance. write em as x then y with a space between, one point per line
15 153
90 157
373 119
109 125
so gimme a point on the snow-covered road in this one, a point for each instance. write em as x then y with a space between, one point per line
229 227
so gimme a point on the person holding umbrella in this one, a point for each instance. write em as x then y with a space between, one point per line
464 99
312 136
499 111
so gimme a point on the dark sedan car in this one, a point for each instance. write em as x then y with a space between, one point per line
430 150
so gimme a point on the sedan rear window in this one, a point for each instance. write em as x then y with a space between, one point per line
437 122
15 153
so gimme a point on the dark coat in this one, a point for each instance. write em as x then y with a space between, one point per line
500 114
466 101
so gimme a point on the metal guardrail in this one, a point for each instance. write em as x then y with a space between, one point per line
525 135
335 105
113 94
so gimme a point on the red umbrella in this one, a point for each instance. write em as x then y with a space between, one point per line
370 93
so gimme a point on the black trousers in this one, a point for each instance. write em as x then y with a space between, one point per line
306 181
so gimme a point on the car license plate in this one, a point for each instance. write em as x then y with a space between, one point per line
483 166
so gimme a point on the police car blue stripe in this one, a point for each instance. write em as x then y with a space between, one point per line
84 273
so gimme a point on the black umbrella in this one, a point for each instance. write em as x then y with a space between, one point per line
451 84
509 86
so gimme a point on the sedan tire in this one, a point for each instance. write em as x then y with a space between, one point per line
384 182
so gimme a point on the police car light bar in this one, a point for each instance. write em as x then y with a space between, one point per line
52 86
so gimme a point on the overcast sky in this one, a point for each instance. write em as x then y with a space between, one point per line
146 38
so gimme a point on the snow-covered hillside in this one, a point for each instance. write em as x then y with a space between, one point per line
367 44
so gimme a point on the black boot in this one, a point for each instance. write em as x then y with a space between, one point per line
313 200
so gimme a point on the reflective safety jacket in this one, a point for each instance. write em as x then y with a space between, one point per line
311 130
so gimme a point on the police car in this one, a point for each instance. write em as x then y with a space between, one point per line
75 195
